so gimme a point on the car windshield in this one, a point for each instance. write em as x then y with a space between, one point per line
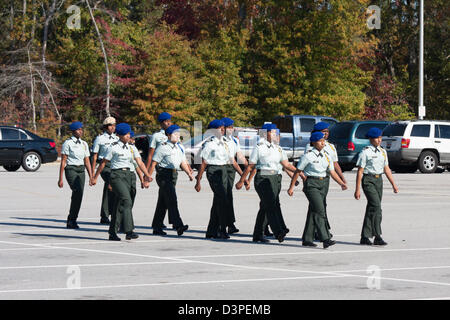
394 130
330 122
195 140
365 127
341 130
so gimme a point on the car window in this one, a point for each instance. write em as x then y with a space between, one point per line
420 130
284 124
364 127
395 130
329 121
442 132
307 125
10 134
23 136
341 130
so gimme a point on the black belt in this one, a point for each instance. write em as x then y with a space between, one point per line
165 169
121 169
373 175
73 166
317 178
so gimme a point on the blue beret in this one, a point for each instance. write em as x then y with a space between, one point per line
171 129
228 122
216 124
374 133
269 126
123 128
75 126
319 126
132 134
316 136
164 116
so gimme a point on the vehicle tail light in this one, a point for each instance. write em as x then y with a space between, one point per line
52 144
350 146
405 143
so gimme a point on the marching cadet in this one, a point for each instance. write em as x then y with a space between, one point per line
372 163
165 120
234 152
312 168
214 160
168 158
267 232
74 161
123 181
330 151
269 159
99 150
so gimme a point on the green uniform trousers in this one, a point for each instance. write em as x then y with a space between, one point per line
327 187
268 188
167 198
315 191
123 183
75 176
373 189
218 180
108 196
231 176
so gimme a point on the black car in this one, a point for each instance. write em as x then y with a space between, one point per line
142 143
20 147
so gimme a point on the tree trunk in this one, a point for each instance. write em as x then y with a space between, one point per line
48 19
24 13
33 106
105 57
11 15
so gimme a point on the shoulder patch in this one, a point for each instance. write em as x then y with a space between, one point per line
115 143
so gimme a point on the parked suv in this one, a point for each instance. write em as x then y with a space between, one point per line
417 144
20 147
349 137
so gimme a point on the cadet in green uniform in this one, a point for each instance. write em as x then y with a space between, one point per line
74 161
313 167
372 163
234 151
215 157
99 150
123 181
168 158
165 120
330 151
269 159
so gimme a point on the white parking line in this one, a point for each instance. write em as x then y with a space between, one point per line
247 267
313 251
92 242
170 284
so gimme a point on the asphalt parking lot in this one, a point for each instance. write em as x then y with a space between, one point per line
41 259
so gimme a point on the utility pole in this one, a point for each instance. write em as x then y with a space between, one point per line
421 75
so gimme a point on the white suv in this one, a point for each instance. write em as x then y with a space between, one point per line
417 144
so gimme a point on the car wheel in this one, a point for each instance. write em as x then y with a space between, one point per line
428 162
12 168
31 161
